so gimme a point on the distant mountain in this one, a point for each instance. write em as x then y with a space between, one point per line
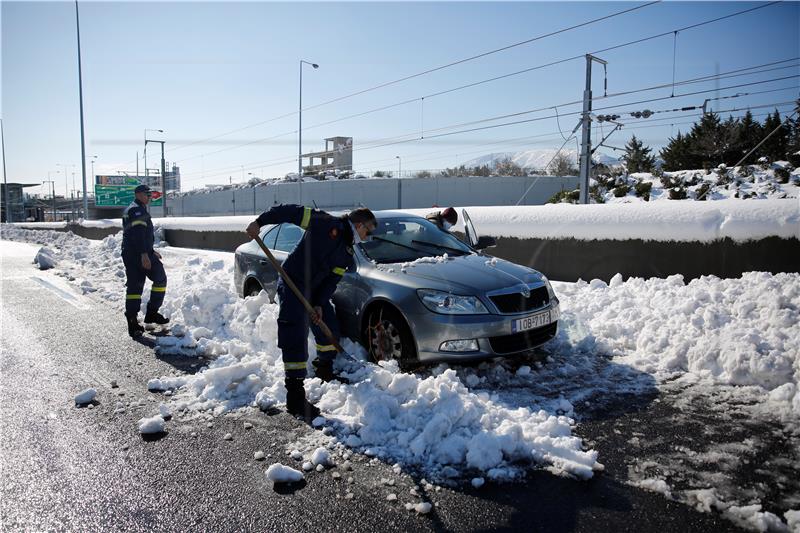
536 159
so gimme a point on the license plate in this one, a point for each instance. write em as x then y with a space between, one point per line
535 321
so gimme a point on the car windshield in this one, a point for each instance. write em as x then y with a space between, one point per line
397 240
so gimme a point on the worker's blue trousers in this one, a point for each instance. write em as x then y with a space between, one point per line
135 283
293 324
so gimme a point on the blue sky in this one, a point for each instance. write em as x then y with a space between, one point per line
198 70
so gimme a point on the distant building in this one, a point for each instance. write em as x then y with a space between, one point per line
338 155
17 203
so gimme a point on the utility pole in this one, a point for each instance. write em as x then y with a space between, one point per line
80 97
233 194
163 181
5 177
586 144
163 169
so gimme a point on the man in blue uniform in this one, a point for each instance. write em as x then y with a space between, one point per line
316 266
141 262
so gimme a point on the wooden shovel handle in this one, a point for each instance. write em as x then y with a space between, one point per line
310 310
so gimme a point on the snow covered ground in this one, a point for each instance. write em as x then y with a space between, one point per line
767 181
735 343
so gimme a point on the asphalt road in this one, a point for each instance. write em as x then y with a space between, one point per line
69 468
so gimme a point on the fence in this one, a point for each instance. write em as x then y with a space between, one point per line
379 193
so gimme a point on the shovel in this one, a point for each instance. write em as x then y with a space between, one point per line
310 310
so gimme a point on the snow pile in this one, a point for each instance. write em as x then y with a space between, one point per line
278 473
437 425
44 259
743 331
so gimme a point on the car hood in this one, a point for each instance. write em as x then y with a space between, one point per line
467 274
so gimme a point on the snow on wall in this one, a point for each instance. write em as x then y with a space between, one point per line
660 221
663 221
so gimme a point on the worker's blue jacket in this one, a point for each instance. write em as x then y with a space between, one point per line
322 256
137 229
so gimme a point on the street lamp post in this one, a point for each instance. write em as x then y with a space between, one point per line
300 134
399 185
53 185
254 190
163 170
5 178
94 157
80 97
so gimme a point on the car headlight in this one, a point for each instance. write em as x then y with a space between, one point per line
451 304
550 292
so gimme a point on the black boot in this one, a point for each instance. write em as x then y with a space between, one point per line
134 328
323 370
296 403
154 317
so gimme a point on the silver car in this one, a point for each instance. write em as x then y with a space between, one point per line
418 294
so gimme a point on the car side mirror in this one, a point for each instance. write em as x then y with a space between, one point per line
485 241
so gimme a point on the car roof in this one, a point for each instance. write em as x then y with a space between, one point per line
381 215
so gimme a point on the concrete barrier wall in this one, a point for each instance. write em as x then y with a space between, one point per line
376 194
571 259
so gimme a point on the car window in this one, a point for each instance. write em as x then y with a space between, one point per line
397 240
269 235
288 237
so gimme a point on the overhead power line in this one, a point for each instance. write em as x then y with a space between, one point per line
404 102
746 71
435 69
480 82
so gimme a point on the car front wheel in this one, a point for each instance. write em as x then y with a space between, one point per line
388 337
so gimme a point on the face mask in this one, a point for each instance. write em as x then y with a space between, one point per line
446 225
357 238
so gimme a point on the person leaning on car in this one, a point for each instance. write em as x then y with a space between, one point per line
316 266
445 219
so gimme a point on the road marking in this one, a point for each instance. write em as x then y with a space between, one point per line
71 299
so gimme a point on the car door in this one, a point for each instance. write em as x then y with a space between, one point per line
473 239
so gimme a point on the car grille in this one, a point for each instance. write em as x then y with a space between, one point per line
524 340
518 303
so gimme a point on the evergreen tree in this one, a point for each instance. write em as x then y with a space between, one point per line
749 134
793 141
637 156
775 148
676 154
710 141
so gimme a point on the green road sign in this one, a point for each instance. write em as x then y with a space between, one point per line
117 191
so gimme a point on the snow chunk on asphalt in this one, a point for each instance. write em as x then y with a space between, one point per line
278 473
151 425
423 508
477 482
85 397
321 456
44 259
